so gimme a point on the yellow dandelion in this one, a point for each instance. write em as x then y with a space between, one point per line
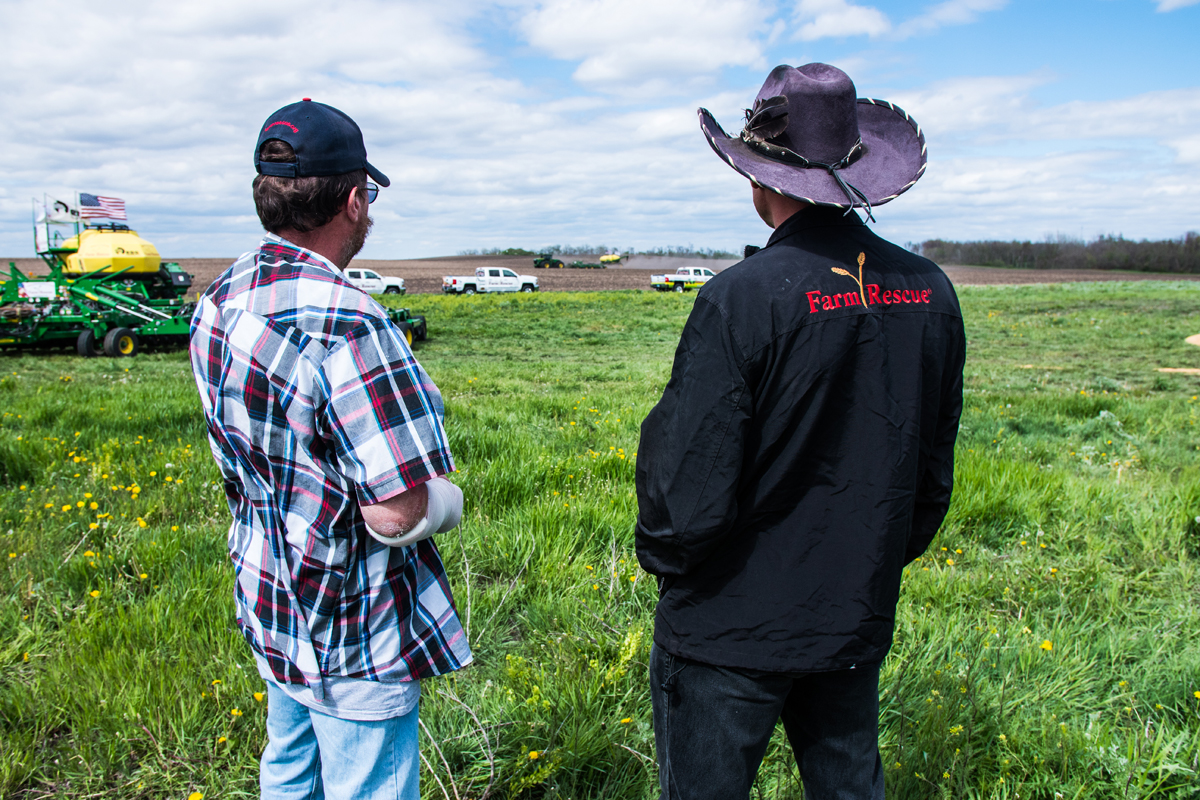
597 586
1047 645
174 527
215 681
235 712
143 576
949 562
141 522
258 696
221 740
632 578
66 508
533 754
93 525
12 555
94 592
627 720
193 795
1196 695
152 472
88 554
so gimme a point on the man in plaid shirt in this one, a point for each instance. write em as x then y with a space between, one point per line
329 438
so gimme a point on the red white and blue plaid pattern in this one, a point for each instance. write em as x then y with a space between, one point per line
314 404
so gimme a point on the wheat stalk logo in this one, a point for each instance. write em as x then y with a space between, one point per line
862 258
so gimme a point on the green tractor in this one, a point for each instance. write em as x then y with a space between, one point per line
547 261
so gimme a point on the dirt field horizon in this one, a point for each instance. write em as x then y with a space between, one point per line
424 275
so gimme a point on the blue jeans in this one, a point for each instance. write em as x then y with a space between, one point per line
312 756
712 726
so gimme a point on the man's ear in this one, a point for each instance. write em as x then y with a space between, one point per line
356 204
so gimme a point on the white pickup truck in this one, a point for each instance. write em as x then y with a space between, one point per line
374 283
490 280
684 278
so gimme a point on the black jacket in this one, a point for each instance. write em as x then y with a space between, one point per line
803 451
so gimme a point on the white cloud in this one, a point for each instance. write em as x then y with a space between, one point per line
1005 166
820 19
1000 109
1171 5
1187 149
654 47
970 104
950 12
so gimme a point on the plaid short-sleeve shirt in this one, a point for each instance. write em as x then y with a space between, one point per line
314 404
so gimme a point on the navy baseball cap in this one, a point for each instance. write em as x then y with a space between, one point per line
326 141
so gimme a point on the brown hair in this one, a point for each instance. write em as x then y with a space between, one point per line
302 204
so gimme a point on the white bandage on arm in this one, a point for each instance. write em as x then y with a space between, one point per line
443 513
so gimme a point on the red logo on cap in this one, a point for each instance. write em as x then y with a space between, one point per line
281 122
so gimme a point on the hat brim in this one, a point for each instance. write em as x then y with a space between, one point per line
893 159
378 176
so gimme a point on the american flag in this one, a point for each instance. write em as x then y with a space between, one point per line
92 205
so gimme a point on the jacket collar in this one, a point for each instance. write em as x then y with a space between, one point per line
815 217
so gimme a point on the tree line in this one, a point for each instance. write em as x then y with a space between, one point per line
589 250
1180 255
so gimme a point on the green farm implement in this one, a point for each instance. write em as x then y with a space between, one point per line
107 292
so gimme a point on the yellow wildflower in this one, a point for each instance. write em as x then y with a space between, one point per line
533 754
235 712
258 696
1047 645
94 592
627 720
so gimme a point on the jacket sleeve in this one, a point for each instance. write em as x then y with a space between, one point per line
690 455
936 485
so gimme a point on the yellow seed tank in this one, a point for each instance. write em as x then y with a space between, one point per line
110 250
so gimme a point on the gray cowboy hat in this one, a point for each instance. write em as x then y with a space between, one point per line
811 138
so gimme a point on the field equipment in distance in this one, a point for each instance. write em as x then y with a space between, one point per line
411 325
547 261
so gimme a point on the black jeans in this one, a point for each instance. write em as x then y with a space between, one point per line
712 726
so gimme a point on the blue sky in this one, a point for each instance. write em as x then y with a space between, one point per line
517 123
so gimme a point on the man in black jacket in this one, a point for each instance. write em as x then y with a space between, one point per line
800 456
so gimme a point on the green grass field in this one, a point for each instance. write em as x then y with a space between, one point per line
1047 646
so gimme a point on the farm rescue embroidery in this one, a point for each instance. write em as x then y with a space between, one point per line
866 295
